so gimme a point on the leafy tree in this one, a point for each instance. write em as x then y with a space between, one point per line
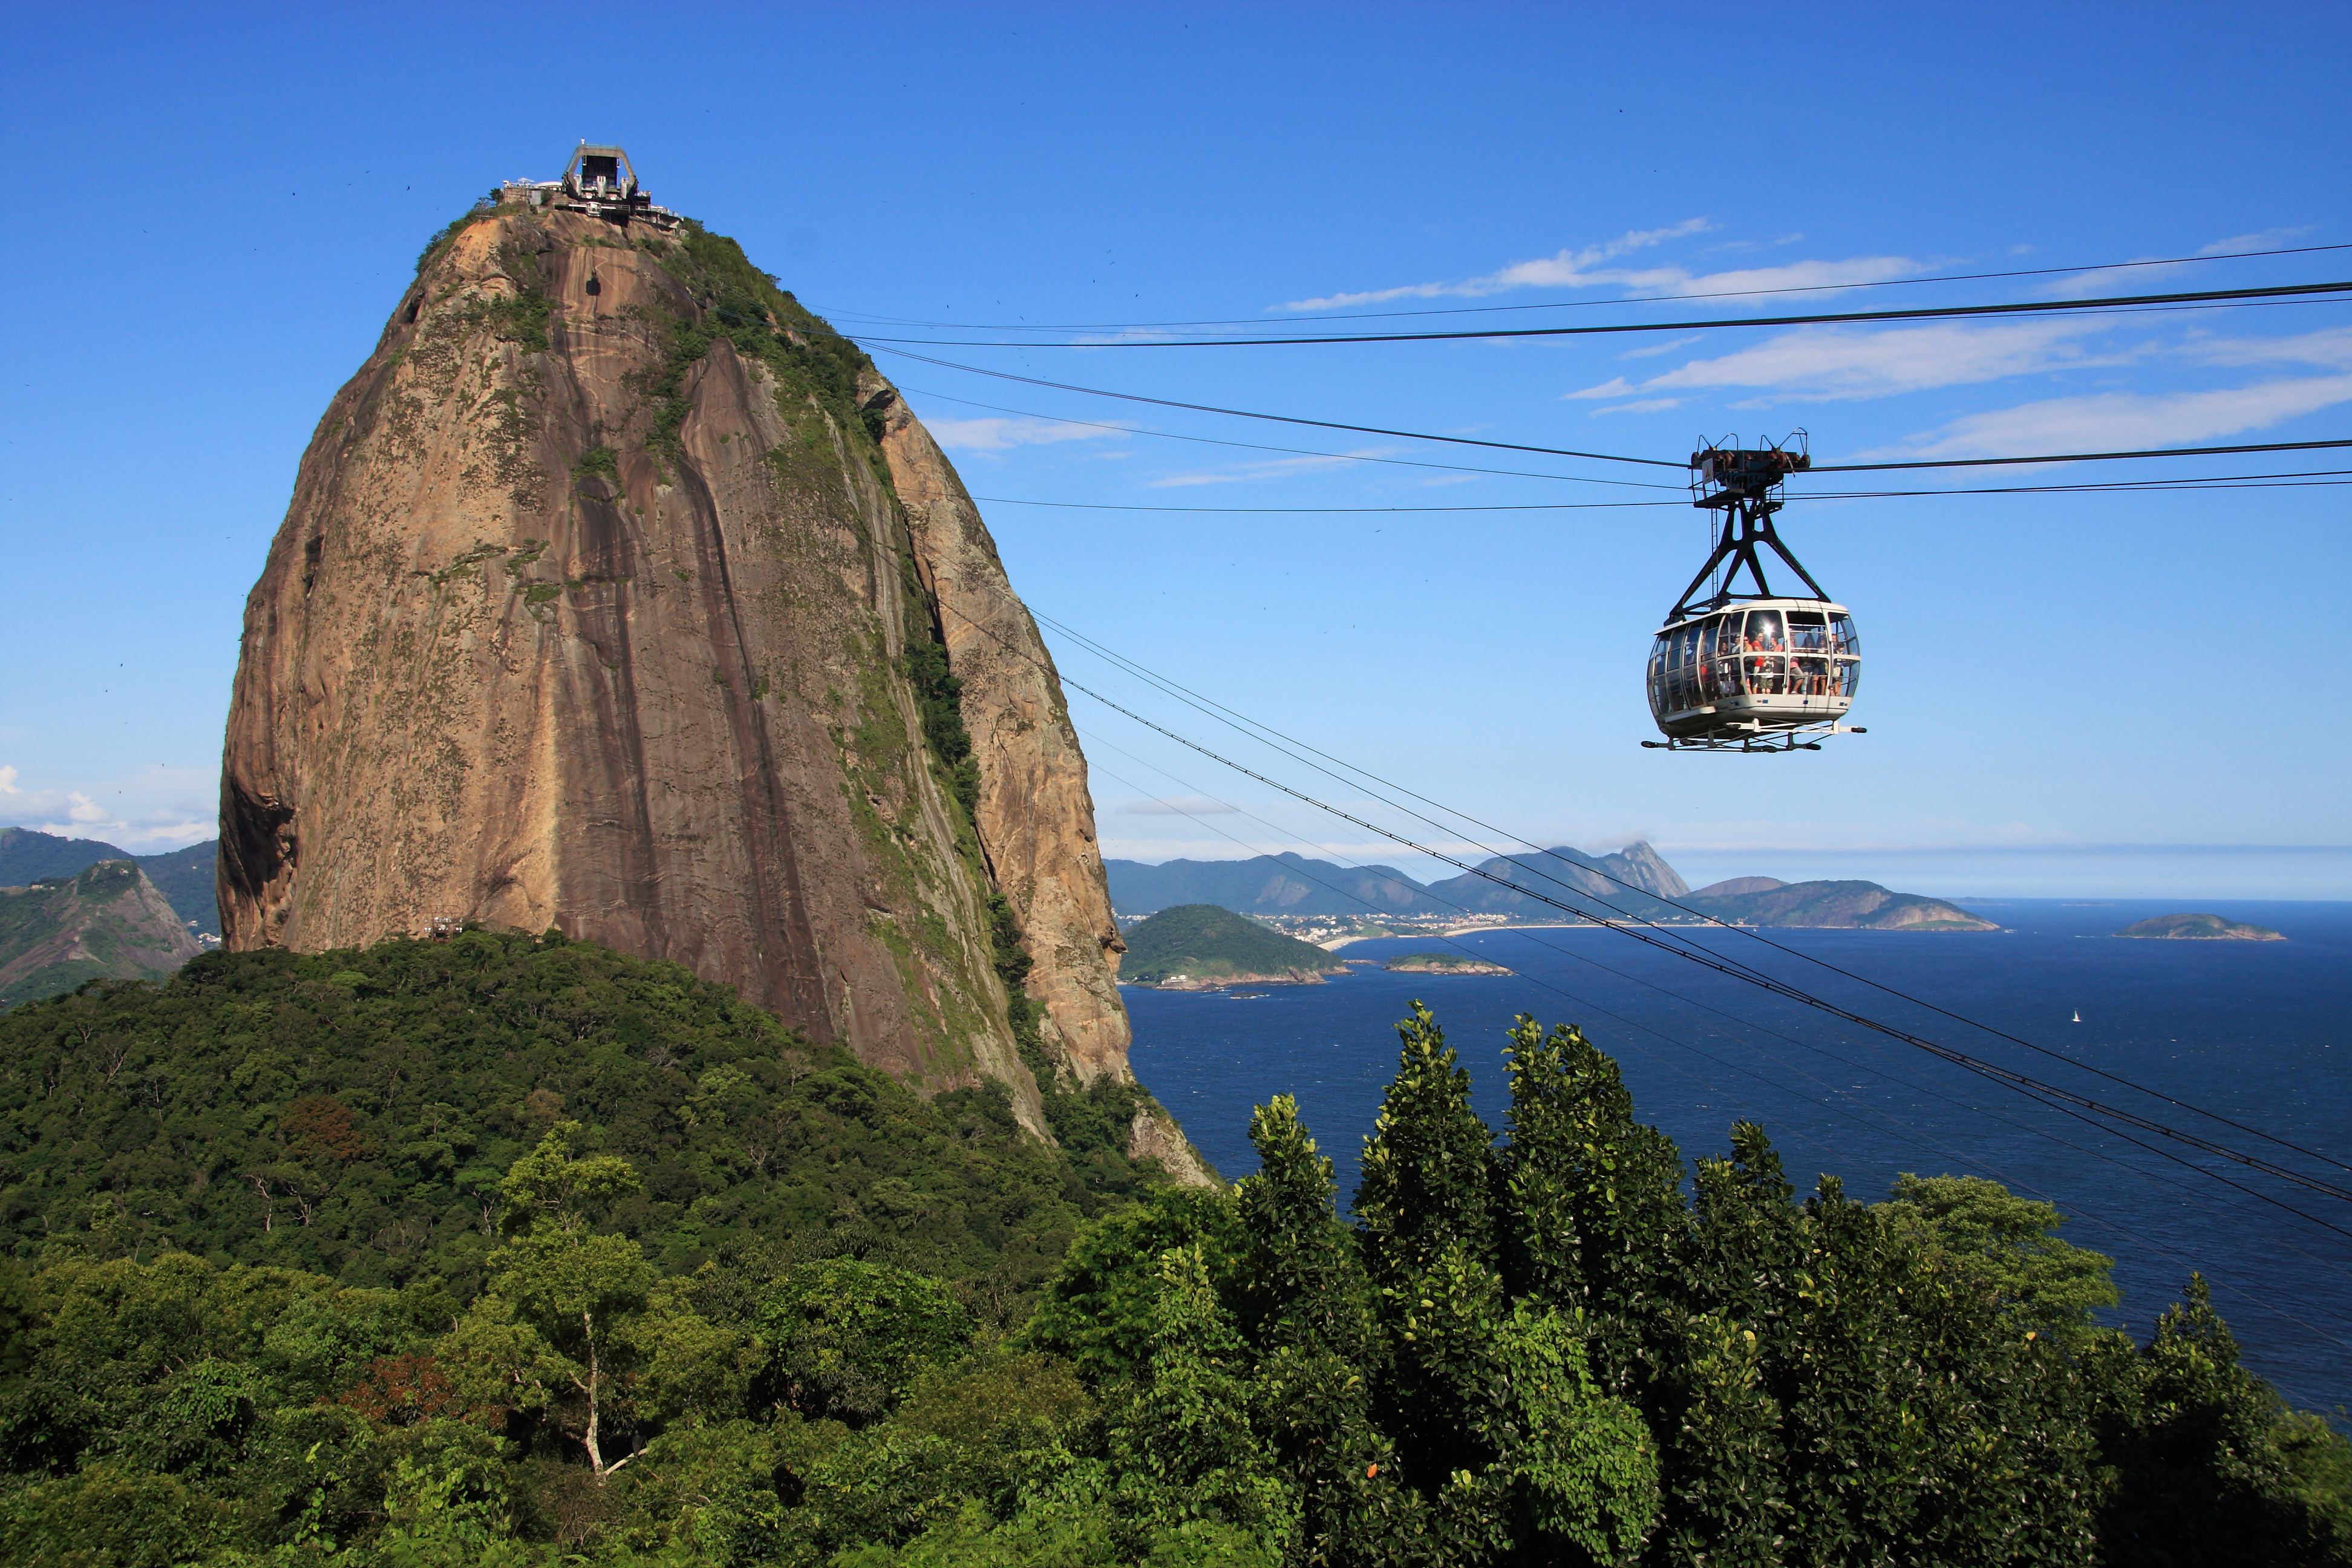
2009 1244
576 1327
849 1339
1427 1186
2208 1465
1593 1214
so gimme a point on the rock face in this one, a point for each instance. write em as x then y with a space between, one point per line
107 920
599 607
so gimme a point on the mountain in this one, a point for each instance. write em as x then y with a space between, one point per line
189 879
1565 874
184 877
1203 943
1838 906
619 595
1285 884
105 919
1292 884
27 855
2199 927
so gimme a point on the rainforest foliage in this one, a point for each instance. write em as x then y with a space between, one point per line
686 1289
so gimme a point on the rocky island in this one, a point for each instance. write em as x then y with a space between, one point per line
1441 964
1829 905
1200 947
2199 927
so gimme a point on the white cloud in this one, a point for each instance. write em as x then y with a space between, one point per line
2268 239
2148 280
1642 405
1003 435
1277 468
1650 350
2331 347
1584 269
1823 363
1183 805
2128 420
160 809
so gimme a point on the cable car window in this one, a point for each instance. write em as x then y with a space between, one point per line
1764 631
1807 631
1848 676
1842 629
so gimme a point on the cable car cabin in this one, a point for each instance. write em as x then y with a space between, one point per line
1748 670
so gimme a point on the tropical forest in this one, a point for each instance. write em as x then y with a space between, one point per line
513 1251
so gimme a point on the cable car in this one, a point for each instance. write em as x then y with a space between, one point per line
1752 671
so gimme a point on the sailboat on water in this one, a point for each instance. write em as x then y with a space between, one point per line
2078 1014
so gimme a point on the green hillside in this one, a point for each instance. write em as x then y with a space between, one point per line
1202 942
352 1114
106 921
184 877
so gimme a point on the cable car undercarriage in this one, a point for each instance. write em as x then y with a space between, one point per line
1752 671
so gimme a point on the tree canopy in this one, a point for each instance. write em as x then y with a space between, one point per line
879 1333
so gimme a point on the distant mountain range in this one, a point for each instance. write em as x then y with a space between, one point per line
1291 884
184 877
1634 883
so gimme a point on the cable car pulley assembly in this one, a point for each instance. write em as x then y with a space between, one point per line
1748 670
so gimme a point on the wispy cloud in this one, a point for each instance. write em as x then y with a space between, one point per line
1274 469
1652 351
1183 805
2331 347
1829 363
1588 268
2130 420
2144 279
1003 435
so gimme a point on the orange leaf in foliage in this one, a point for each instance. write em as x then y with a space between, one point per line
400 1391
319 1125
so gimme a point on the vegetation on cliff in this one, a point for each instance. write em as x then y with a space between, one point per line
1540 1350
1202 942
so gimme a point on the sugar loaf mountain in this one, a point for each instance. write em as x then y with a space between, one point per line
619 597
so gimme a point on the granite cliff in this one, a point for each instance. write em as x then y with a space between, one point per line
610 598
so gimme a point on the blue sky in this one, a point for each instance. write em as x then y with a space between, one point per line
2098 694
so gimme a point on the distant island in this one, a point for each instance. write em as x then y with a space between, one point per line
1441 964
1200 947
1832 906
2199 927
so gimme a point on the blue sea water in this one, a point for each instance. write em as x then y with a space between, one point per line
2256 1032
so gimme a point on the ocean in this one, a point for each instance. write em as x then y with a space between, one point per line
2256 1032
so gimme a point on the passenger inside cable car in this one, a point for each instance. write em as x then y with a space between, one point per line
1771 664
